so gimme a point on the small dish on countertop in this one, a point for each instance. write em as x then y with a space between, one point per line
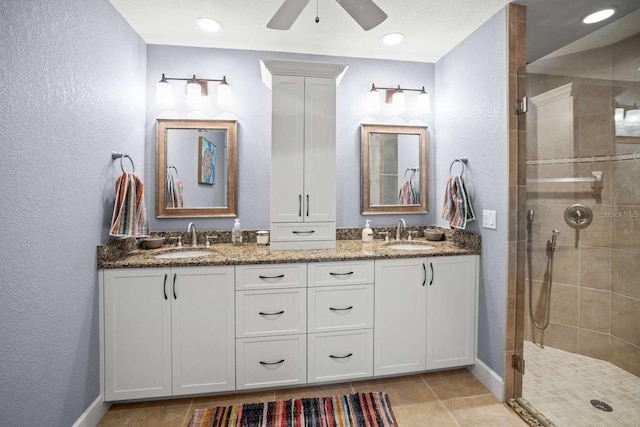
433 235
151 242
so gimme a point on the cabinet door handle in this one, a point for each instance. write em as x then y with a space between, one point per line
341 274
307 205
280 276
164 287
304 232
431 281
341 309
271 363
174 286
262 313
299 204
424 281
341 357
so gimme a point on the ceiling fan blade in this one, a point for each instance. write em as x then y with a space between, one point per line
365 12
287 14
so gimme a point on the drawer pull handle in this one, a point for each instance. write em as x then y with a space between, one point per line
271 363
341 309
280 276
340 357
303 232
262 313
342 274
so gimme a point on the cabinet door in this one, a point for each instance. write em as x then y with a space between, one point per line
203 342
400 316
320 149
287 149
451 311
137 333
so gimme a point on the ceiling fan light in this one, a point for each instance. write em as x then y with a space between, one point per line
209 25
392 39
598 16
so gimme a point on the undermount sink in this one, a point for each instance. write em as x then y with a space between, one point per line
183 254
409 247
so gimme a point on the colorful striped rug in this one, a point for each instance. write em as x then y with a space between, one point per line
354 410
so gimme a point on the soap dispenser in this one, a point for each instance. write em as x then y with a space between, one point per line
367 232
236 233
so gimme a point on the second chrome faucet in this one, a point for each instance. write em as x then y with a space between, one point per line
194 234
401 224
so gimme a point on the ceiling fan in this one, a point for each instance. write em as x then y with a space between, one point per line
365 12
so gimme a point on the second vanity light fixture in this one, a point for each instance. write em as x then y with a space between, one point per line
395 96
196 89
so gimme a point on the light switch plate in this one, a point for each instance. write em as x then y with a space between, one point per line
489 219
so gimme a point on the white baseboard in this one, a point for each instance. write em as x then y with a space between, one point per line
93 414
488 378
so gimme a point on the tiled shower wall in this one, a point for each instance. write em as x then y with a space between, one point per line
595 298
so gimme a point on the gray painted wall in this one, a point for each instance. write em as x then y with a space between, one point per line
471 121
252 108
72 83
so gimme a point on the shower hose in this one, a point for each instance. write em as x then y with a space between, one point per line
551 247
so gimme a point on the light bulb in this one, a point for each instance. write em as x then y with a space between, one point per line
398 101
373 99
632 118
423 103
163 91
618 116
224 92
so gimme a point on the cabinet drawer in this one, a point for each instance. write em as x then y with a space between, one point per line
303 231
340 308
340 355
273 312
271 361
271 276
340 273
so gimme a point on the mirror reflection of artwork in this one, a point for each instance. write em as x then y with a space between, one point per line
201 191
206 161
394 169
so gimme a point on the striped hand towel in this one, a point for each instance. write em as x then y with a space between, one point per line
457 207
129 210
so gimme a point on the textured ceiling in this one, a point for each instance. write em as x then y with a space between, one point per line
432 27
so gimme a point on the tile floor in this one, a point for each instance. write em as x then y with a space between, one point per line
560 385
442 399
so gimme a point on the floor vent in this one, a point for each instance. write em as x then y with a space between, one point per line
601 405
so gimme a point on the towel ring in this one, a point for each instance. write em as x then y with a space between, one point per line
116 155
462 160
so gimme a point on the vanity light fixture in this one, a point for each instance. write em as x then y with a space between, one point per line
196 89
396 97
599 15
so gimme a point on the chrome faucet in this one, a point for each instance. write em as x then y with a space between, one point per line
399 229
194 236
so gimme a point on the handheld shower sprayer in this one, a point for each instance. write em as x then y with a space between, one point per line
551 244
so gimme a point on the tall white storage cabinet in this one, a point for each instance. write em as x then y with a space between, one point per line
168 331
303 153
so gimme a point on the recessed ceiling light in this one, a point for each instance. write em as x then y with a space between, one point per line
391 38
599 15
209 24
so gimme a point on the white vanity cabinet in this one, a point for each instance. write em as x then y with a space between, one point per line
340 326
271 325
303 154
168 331
425 313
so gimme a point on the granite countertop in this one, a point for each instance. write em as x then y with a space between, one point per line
250 253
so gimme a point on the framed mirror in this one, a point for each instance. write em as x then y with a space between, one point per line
394 166
196 168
